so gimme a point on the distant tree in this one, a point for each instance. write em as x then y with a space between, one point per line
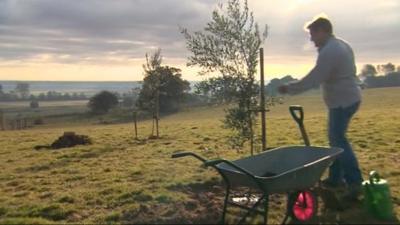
172 88
2 95
398 68
368 70
389 80
22 89
66 96
386 68
51 95
102 102
203 88
128 100
34 104
12 95
220 89
230 45
42 96
272 86
75 96
167 82
82 96
32 97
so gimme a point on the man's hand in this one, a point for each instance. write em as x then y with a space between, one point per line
283 89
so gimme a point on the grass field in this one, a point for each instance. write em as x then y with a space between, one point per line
47 108
25 104
122 180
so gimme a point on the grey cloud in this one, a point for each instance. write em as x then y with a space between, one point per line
370 26
53 26
129 28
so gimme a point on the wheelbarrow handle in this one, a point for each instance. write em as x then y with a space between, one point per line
183 154
297 113
214 162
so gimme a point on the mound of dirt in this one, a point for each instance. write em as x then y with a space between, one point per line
67 140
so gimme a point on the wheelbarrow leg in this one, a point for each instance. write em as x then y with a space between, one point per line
226 202
264 197
285 219
266 204
288 207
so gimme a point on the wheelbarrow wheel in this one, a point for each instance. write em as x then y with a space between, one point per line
302 206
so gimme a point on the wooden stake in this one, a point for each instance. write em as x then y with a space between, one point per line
135 122
262 102
157 107
2 123
152 128
251 135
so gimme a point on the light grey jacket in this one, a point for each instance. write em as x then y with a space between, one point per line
335 71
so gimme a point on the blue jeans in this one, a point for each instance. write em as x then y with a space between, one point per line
346 165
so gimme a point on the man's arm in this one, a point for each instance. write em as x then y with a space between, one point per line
321 72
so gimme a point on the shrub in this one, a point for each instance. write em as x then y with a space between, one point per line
102 102
34 104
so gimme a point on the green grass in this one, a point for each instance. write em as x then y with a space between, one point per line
122 180
47 108
55 114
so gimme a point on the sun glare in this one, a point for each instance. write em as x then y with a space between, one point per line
304 1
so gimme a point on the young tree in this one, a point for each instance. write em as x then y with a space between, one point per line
171 89
163 82
102 102
163 88
148 95
229 45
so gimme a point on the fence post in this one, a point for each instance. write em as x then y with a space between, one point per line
2 122
135 122
262 102
12 124
19 122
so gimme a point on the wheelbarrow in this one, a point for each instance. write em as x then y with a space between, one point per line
291 170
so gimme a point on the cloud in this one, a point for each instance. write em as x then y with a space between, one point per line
370 26
98 31
95 27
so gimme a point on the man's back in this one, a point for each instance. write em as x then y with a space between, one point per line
340 88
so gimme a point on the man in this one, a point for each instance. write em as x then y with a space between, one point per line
335 71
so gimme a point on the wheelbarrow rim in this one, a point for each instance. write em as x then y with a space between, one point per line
233 170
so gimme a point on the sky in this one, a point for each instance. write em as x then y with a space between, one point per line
106 40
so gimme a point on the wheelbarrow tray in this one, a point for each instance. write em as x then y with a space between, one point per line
282 169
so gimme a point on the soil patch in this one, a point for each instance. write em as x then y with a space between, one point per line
67 140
